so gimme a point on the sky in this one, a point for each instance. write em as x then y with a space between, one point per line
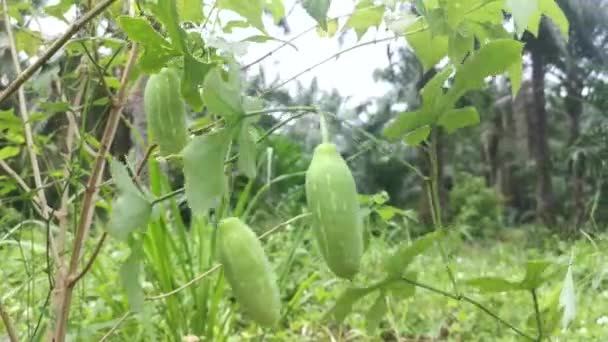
350 74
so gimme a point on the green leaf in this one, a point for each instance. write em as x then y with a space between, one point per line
429 48
567 299
190 10
223 97
398 262
247 151
131 210
375 313
405 123
400 288
251 10
129 277
166 12
433 89
232 24
28 41
157 50
493 284
522 11
459 118
277 9
515 72
365 16
59 9
193 79
344 303
492 59
203 161
8 152
317 9
536 274
415 137
552 10
459 46
387 212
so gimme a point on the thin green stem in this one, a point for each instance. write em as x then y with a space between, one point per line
281 225
375 140
463 298
168 196
324 129
283 109
539 324
338 54
435 204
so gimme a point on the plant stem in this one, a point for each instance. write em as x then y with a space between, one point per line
65 286
280 225
460 297
27 127
435 204
539 324
324 129
8 324
168 196
55 46
284 109
189 283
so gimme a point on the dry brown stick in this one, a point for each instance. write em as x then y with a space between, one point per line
55 46
102 240
65 287
89 264
10 329
27 127
69 145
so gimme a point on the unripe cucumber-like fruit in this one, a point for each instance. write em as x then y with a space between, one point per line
166 111
332 198
248 271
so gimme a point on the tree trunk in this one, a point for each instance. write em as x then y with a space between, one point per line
574 109
542 154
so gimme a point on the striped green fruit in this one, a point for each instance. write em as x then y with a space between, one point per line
248 271
332 198
166 111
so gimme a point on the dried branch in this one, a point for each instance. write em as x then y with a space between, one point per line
10 329
65 286
27 127
55 46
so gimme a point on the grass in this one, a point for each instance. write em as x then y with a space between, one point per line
309 290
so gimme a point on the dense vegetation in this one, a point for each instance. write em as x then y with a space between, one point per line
141 159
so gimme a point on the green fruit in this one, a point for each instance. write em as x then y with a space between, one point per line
166 111
332 198
248 271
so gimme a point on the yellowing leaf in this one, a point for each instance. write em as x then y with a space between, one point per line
190 10
8 152
332 28
365 16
